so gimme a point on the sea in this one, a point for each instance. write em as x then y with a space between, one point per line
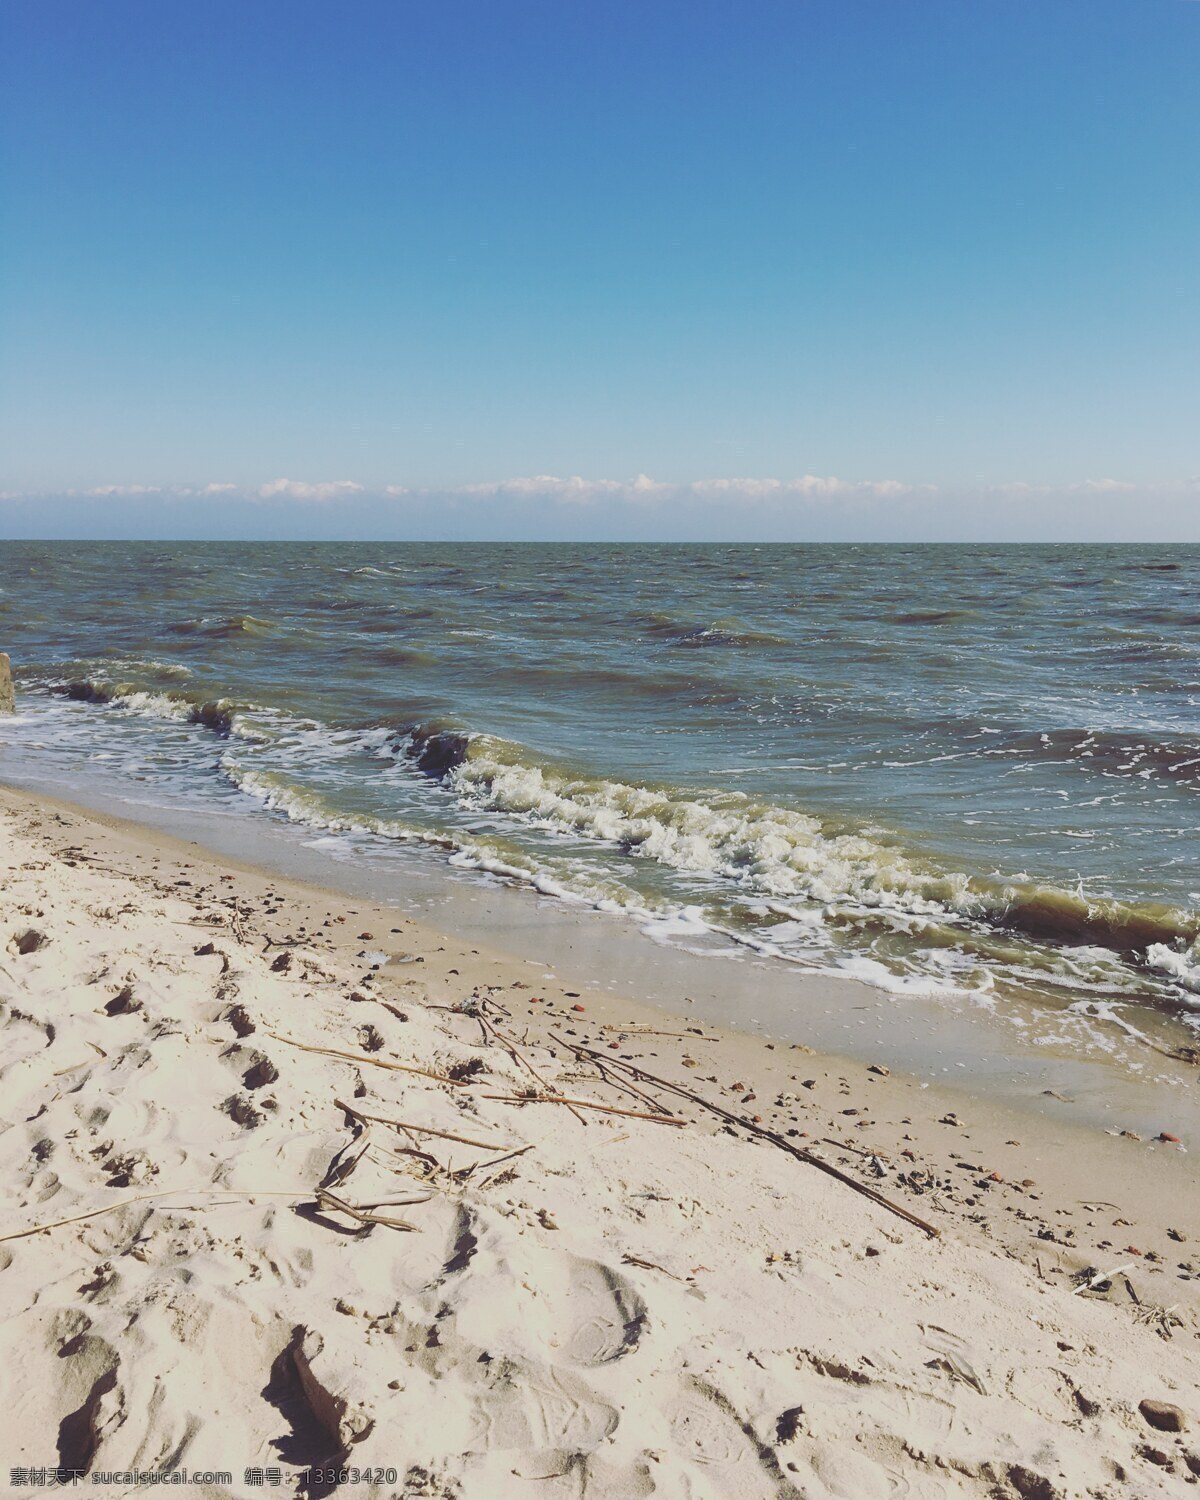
969 770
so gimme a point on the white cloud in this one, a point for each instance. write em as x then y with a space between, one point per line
574 488
641 488
301 489
764 494
1104 486
103 491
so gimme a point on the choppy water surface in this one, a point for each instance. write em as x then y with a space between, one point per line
955 766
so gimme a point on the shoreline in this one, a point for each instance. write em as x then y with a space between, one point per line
1031 1198
1059 1067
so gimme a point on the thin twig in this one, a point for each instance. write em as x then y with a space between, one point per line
363 1216
846 1146
511 1048
607 1109
649 1265
687 1036
110 1208
800 1153
486 1166
445 1135
370 1062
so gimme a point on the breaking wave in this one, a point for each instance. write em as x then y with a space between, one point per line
780 854
778 879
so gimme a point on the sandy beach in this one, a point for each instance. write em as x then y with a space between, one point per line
309 1195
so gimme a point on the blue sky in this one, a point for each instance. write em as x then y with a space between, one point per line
781 267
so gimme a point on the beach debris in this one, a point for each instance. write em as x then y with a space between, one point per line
1162 1416
407 1126
608 1109
799 1152
28 941
1092 1280
1165 1135
369 1038
1163 1320
8 697
185 1195
649 1265
372 1062
883 1072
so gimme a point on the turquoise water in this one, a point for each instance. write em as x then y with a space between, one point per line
958 767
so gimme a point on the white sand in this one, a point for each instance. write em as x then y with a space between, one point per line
626 1309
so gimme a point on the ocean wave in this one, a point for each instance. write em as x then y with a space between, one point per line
719 632
777 879
225 627
786 855
220 715
932 616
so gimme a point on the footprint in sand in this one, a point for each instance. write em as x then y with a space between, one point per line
543 1410
71 1386
580 1311
599 1314
708 1433
254 1068
21 1036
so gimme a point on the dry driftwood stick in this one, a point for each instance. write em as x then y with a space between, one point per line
623 1086
424 1156
599 1061
300 1196
391 1203
74 1068
649 1265
635 1030
486 1166
362 1216
445 1135
608 1109
339 1170
799 1152
236 922
370 1062
511 1048
858 1150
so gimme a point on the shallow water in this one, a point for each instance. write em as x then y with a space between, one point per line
931 767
